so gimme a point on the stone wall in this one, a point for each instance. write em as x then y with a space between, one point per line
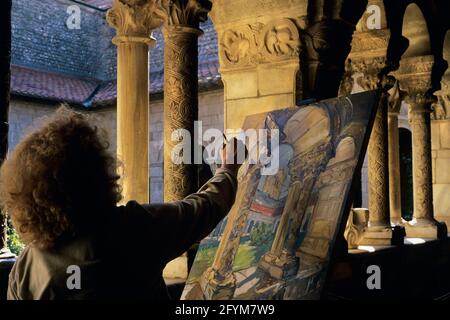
440 130
42 40
26 114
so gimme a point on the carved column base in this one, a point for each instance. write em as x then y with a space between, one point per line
426 228
398 222
382 236
357 222
216 287
279 267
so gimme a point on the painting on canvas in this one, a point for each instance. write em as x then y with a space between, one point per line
277 240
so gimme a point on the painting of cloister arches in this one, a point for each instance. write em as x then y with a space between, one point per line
278 238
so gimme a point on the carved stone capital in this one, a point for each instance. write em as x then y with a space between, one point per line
414 75
420 102
133 20
188 13
396 96
370 43
362 73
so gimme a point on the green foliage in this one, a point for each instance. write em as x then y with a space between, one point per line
13 242
261 234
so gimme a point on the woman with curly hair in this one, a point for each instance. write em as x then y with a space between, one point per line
61 189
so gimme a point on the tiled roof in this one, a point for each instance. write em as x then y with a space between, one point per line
84 72
58 87
52 86
208 77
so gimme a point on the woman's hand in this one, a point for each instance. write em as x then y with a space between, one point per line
230 155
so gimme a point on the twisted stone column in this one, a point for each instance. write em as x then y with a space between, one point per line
180 107
133 22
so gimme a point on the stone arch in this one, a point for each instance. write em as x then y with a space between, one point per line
415 29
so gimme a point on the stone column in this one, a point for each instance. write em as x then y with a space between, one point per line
181 32
364 67
5 76
379 230
414 75
133 22
395 207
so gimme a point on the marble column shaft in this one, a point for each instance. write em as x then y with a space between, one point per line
394 170
133 116
422 170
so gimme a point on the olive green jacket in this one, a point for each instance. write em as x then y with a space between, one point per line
125 258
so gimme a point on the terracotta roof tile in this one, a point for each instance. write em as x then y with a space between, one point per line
52 86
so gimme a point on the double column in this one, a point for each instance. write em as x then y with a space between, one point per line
134 23
380 230
415 78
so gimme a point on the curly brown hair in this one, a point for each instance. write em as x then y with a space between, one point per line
60 180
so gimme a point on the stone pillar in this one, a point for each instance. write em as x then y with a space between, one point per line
181 32
364 68
5 76
395 208
414 75
133 22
